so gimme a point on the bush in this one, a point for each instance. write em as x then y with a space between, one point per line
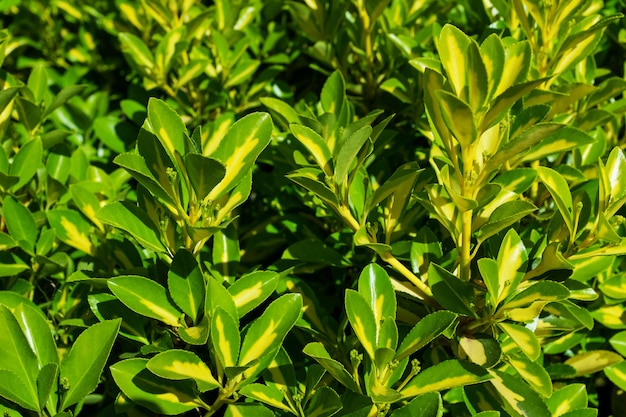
348 208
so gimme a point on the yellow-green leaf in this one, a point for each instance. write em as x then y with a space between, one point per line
524 338
177 364
445 375
593 361
145 297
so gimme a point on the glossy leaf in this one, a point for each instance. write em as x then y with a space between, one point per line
218 296
266 334
265 394
21 224
204 173
18 362
445 375
47 381
157 394
617 374
131 219
452 293
252 289
168 128
482 350
316 145
362 320
593 361
83 366
533 373
137 50
348 152
317 351
177 364
560 191
17 391
324 403
504 216
38 333
453 44
425 405
186 284
72 229
145 297
425 331
239 149
512 262
541 291
524 338
517 396
375 286
26 162
225 337
569 397
106 307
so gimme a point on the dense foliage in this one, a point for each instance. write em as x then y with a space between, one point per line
313 208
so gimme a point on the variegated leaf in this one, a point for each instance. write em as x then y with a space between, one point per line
177 364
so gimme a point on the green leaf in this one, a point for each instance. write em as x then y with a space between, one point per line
265 394
248 410
593 361
481 349
445 375
38 333
376 288
458 118
617 374
137 167
518 397
570 397
533 373
323 403
524 338
87 202
218 296
281 111
145 297
72 229
504 101
159 162
225 337
26 162
226 252
317 351
83 365
563 140
239 150
560 191
512 263
46 381
492 53
18 360
21 224
106 307
425 331
252 289
348 152
197 334
281 374
168 127
425 405
62 97
157 394
618 342
452 293
362 320
204 173
453 45
137 51
177 364
28 112
504 216
17 391
186 284
131 219
266 334
547 291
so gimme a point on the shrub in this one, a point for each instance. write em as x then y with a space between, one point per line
348 208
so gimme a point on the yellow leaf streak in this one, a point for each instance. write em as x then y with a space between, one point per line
269 400
224 344
75 238
234 165
198 371
444 383
248 295
359 329
261 345
162 314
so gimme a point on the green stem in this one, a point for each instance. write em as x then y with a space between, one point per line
464 245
